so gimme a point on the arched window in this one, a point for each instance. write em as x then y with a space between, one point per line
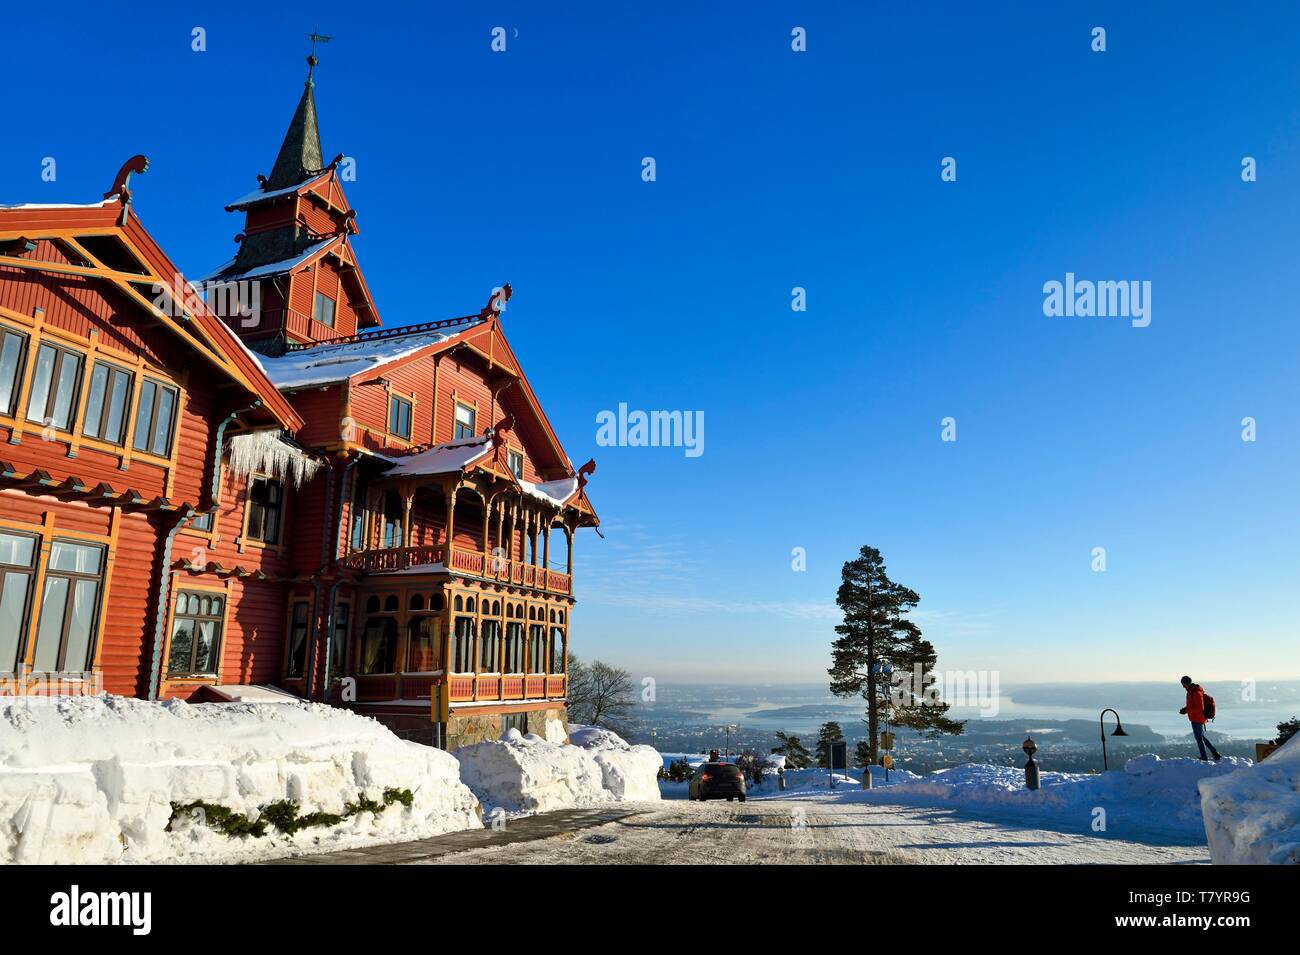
422 645
391 603
460 603
372 604
489 645
378 646
514 661
537 648
462 646
417 602
557 650
469 604
437 601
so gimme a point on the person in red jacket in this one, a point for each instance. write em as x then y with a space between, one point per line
1195 713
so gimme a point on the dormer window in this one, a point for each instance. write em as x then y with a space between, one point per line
323 310
515 461
465 416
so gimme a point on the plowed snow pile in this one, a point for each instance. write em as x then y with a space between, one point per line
627 772
94 779
524 773
1252 816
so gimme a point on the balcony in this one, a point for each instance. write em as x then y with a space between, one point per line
476 563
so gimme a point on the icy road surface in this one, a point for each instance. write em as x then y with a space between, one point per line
816 830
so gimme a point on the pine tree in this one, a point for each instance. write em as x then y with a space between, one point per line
862 754
829 733
795 753
876 640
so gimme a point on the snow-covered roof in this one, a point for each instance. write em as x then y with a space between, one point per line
259 195
443 458
62 205
327 364
553 492
271 268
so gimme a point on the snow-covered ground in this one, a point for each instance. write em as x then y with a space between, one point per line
1151 799
526 773
819 829
94 779
1252 816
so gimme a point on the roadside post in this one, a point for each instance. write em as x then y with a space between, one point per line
1031 767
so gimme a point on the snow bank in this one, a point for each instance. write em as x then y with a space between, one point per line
93 779
1151 794
1252 816
523 773
627 772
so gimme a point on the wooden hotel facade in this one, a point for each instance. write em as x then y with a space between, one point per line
251 487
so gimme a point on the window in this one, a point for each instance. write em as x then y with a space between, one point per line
357 531
17 564
464 421
265 503
339 642
393 512
110 394
154 418
69 606
54 386
488 646
536 649
378 646
514 662
462 646
557 650
515 460
399 417
12 347
323 310
422 643
196 633
299 630
202 522
514 721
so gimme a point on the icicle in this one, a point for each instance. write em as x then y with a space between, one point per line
267 453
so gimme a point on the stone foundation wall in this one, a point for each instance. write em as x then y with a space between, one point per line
469 729
481 727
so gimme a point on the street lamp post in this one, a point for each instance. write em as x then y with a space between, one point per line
1031 767
1119 731
730 728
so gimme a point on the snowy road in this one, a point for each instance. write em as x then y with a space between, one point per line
814 830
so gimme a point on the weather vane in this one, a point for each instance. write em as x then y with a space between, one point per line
316 37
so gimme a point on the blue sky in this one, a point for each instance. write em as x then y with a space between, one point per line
820 169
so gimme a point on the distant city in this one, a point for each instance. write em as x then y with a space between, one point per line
1061 718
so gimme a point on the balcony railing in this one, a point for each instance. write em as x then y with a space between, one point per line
464 560
491 688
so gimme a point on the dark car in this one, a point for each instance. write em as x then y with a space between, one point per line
717 781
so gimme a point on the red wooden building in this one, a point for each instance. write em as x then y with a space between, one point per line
378 517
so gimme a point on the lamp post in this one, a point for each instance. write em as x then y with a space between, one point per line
730 728
1031 767
1119 731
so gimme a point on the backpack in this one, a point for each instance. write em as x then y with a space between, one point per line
1208 707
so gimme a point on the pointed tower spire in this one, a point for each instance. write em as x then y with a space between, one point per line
300 154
